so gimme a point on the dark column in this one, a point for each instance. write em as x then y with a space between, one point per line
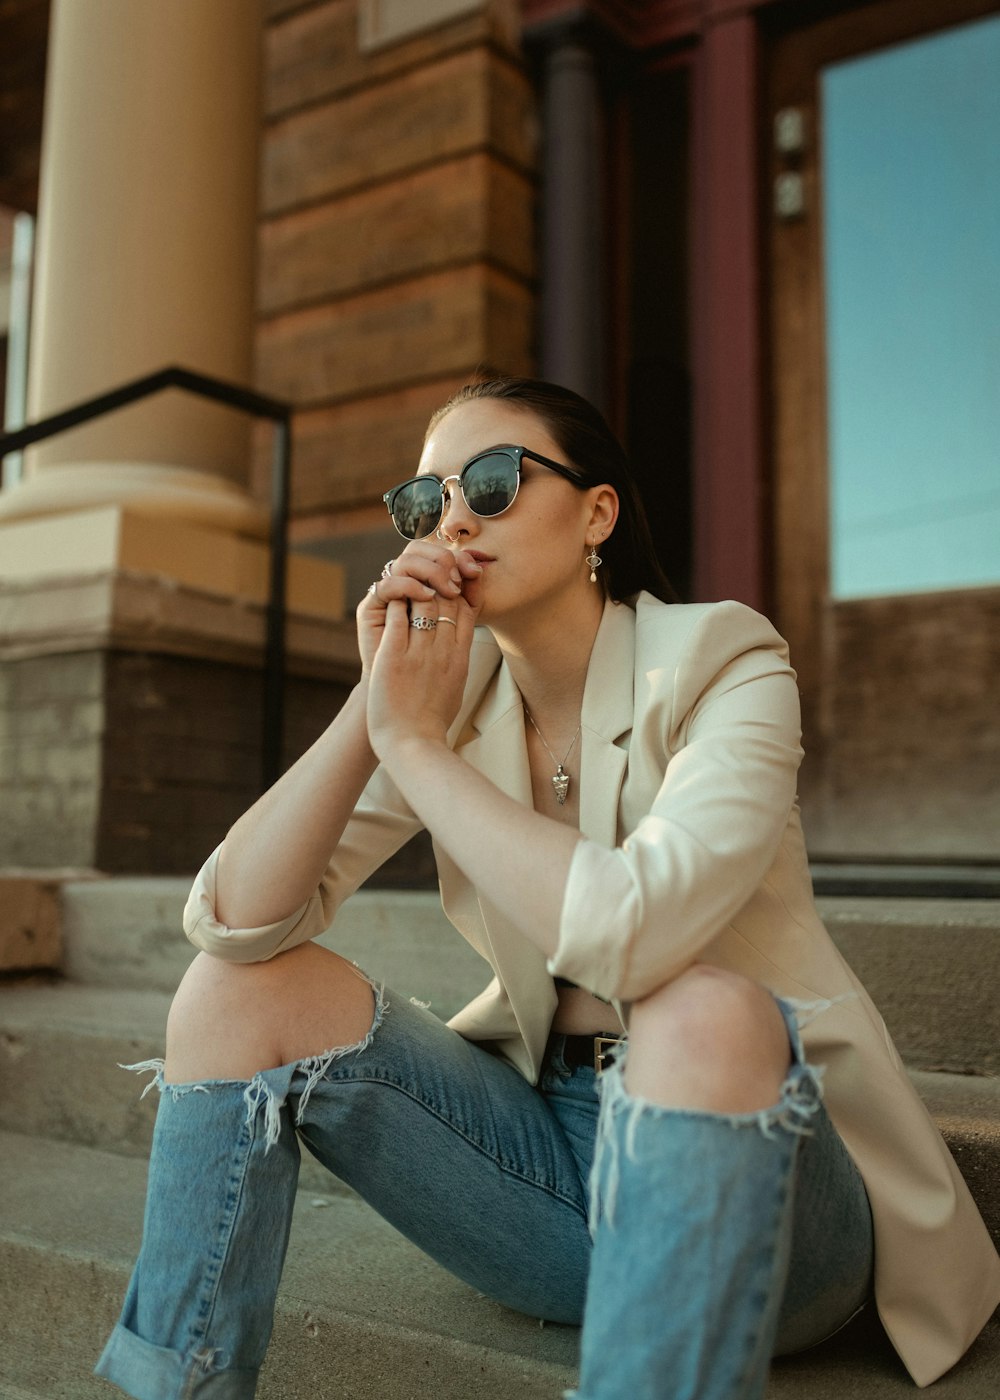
573 295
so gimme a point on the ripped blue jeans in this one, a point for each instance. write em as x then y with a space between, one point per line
713 1242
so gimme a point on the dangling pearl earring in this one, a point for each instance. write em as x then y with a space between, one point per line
594 560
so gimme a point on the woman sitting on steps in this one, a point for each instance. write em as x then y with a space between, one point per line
673 1116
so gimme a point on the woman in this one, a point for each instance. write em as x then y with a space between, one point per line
609 780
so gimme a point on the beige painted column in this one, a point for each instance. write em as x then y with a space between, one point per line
147 227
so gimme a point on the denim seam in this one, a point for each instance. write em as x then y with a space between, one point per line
767 1259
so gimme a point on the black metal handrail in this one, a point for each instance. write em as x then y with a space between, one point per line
258 406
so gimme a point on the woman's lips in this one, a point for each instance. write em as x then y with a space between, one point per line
480 558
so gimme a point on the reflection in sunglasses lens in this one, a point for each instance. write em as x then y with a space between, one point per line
416 509
490 484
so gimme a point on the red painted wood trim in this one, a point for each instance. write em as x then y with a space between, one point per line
726 321
643 23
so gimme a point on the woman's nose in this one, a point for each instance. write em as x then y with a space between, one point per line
456 517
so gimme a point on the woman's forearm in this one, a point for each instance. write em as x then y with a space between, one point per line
516 859
275 855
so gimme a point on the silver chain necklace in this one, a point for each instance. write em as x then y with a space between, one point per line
560 778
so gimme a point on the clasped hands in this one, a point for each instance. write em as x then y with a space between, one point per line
416 675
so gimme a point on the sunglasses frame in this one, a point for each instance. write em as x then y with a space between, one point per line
516 454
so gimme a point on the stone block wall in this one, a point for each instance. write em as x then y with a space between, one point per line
131 761
51 733
396 245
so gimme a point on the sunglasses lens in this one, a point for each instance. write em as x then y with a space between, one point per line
416 508
489 484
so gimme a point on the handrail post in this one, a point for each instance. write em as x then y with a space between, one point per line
259 406
274 653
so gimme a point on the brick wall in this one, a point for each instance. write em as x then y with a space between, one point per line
396 239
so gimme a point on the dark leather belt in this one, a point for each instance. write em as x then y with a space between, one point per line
597 1051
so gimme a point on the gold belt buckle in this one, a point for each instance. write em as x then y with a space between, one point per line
603 1047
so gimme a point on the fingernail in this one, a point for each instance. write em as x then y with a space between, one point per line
456 577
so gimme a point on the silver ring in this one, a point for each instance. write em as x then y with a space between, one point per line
387 568
450 621
373 590
423 624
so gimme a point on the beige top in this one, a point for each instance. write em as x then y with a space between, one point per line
693 850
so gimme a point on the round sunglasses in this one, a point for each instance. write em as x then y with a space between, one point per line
489 484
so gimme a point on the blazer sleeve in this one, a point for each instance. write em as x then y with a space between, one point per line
635 916
381 823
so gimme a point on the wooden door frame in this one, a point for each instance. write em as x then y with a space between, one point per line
795 54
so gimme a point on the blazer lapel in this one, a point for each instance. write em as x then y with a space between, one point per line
493 742
607 720
497 745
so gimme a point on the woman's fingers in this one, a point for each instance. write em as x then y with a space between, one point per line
425 580
429 564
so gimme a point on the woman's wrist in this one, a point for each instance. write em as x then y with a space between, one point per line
405 751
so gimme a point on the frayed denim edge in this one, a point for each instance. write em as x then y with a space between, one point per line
800 1099
259 1093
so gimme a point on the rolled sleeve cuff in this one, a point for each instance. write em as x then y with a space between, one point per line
592 949
207 932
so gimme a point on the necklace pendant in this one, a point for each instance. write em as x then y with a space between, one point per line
560 784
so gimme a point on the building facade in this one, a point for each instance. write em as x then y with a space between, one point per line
706 215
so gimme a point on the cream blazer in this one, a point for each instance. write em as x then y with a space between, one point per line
692 850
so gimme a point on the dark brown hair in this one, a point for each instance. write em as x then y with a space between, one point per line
589 446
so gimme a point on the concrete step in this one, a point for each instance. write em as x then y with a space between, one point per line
127 933
61 1048
932 967
61 1045
361 1313
931 964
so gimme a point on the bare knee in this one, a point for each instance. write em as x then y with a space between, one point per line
230 1020
710 1039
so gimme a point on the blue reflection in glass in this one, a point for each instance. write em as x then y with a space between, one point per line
911 180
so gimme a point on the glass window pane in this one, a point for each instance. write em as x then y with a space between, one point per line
911 189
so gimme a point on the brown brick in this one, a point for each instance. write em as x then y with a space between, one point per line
315 54
434 326
465 102
30 925
274 9
352 453
466 209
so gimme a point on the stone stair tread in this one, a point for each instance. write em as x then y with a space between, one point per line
912 912
47 1024
930 963
973 1099
31 1002
75 1213
362 1313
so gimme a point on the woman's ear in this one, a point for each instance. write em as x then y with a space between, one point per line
603 512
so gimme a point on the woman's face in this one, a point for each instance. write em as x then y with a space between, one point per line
532 554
